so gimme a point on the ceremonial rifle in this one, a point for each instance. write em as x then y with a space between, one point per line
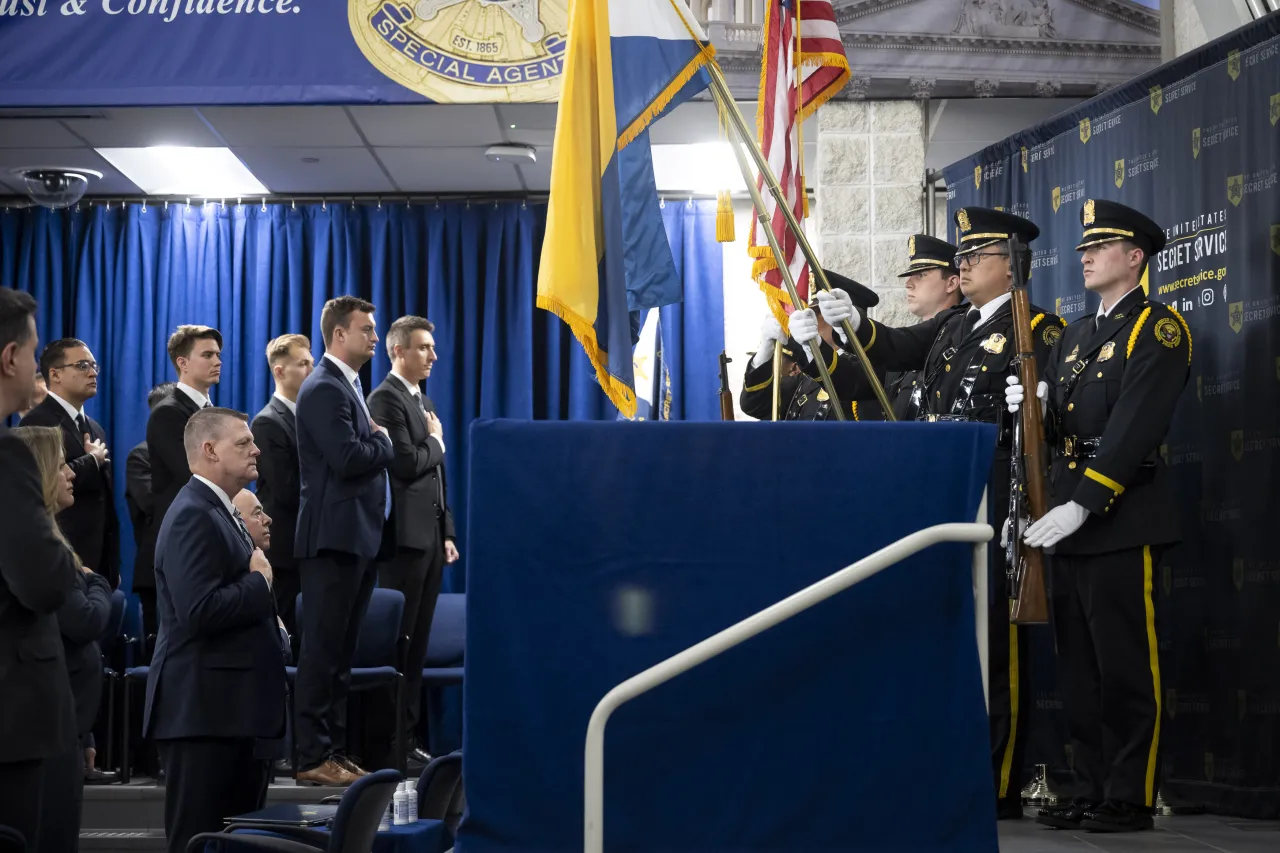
1028 601
726 396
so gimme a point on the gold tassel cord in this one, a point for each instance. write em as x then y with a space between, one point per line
724 218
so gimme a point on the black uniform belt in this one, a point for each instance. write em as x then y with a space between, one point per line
1004 430
1075 447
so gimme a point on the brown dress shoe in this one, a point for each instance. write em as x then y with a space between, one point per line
330 774
350 766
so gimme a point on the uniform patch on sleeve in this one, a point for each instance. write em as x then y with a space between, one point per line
1052 334
1169 332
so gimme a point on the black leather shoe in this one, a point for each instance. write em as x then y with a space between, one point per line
1065 816
100 777
1009 809
1115 816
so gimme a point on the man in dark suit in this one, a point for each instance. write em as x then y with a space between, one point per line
289 357
196 353
90 523
424 532
345 498
137 483
217 682
37 573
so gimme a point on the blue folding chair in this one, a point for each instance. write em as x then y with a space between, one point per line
353 829
377 661
12 841
446 648
441 794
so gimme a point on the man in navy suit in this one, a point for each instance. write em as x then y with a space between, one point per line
217 683
344 501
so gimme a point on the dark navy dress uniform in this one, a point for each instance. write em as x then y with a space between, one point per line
1114 383
962 369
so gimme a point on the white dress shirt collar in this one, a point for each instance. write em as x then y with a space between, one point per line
986 312
413 388
67 407
1103 313
196 397
351 375
217 490
289 404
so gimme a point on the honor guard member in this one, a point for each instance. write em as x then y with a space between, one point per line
1110 390
963 356
933 287
802 395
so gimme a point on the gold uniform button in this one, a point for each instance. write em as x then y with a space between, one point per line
1099 374
1070 406
948 368
1072 466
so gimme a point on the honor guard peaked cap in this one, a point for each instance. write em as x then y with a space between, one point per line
862 296
1107 221
930 253
981 227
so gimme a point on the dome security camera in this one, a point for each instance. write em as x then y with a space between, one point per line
55 187
512 153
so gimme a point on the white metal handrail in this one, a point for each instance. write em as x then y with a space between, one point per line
716 644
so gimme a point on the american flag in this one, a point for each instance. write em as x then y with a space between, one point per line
804 66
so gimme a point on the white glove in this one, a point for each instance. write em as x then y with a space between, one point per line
804 325
1015 394
1056 525
770 331
837 307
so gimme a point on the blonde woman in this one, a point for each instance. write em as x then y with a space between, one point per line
81 620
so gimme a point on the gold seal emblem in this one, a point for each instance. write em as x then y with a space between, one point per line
823 396
1195 142
1052 334
466 51
911 246
1090 215
994 344
1086 130
1074 353
1057 198
962 219
1169 332
1107 351
977 176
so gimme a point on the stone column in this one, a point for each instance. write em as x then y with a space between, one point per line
870 171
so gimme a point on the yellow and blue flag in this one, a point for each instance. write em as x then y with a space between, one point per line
605 256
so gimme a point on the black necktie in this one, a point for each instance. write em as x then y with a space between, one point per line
82 424
970 320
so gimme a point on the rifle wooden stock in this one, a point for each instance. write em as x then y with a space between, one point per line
1031 604
726 396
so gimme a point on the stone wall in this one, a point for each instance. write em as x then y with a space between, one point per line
869 174
1188 29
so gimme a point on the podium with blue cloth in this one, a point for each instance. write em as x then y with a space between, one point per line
598 550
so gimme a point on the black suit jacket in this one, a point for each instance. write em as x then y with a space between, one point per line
137 490
419 492
169 473
82 619
90 524
276 435
37 573
343 468
218 669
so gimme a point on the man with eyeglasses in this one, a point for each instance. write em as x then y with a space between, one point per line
963 358
90 524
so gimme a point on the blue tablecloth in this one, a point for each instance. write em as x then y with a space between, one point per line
597 550
425 836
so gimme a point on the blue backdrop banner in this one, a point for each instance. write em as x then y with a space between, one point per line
202 52
1196 146
121 278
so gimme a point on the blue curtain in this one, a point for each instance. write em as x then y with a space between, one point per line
121 278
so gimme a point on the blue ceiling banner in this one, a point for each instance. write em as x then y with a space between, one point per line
136 53
1195 144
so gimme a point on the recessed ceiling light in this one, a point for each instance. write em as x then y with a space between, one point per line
169 170
513 127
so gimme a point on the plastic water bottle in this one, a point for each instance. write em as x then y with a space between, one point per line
401 803
411 786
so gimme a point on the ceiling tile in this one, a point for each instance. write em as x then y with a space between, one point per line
36 133
140 128
265 127
537 176
441 170
340 170
428 125
111 183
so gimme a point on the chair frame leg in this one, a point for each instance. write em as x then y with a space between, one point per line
126 754
402 759
107 752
